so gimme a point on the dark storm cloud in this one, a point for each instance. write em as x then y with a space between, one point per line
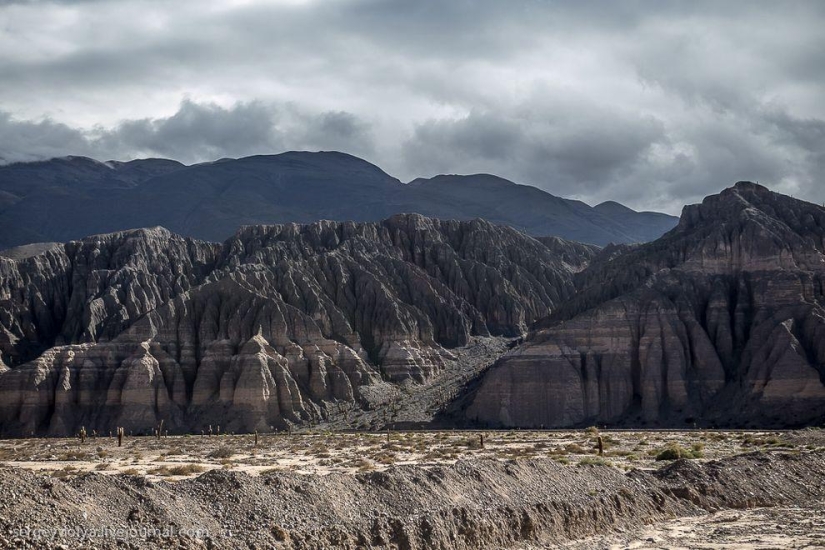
26 140
565 149
337 130
201 131
655 103
194 133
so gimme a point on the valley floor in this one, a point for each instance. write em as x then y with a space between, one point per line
324 452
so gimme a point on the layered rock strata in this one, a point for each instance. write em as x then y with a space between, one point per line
719 322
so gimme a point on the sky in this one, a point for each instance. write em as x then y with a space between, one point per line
654 104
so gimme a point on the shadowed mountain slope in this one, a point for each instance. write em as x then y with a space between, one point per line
69 198
533 211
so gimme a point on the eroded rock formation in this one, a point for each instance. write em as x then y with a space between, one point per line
721 321
273 326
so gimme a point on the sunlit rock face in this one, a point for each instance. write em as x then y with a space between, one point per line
271 327
721 321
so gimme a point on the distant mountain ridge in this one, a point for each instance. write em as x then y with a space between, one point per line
68 198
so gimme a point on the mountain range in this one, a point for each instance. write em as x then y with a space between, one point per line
719 322
69 198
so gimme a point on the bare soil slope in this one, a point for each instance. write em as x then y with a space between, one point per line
482 503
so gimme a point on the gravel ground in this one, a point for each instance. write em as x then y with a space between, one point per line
411 404
476 503
796 526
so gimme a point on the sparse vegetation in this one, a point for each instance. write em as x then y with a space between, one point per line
675 452
593 461
327 451
65 472
182 470
74 455
364 465
222 452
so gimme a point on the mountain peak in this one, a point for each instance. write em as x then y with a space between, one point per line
613 207
748 201
312 157
156 233
476 180
749 227
750 186
723 317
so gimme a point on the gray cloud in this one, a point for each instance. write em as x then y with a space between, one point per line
27 141
566 149
336 130
652 102
195 133
200 131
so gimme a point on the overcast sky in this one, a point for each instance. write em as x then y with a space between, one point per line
654 104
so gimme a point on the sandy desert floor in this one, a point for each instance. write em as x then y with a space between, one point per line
177 457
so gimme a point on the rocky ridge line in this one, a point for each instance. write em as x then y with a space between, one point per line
719 322
271 327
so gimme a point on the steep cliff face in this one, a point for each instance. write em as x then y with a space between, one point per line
92 289
273 326
721 321
221 355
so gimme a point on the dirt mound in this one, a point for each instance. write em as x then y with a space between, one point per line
472 504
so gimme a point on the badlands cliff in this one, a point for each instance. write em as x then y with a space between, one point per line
719 322
274 326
